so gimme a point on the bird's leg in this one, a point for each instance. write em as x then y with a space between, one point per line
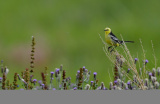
113 48
109 47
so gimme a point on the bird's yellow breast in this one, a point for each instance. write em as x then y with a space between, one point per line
109 40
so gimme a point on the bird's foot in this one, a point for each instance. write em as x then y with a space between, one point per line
109 47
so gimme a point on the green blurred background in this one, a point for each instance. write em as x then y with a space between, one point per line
66 32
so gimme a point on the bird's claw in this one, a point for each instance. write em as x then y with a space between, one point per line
111 49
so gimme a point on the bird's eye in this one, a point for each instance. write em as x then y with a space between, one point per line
107 29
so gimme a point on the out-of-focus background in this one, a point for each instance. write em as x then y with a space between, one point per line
66 32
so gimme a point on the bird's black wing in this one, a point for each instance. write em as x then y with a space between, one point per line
112 34
114 38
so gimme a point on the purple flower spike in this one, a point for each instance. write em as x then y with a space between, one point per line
31 76
53 89
136 59
21 89
34 80
57 70
78 71
42 85
115 81
128 70
40 82
146 61
0 78
95 73
75 88
150 74
128 83
126 88
114 87
86 70
91 83
83 67
1 61
52 74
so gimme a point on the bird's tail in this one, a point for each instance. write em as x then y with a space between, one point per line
127 41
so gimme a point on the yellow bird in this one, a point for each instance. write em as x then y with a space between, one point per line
112 39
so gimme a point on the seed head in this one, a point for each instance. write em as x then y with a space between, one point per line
118 88
153 79
158 71
1 61
135 79
110 86
118 82
61 67
154 72
146 82
156 85
19 77
126 86
87 87
145 87
6 71
86 70
102 86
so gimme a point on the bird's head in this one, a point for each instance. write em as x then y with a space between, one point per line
107 30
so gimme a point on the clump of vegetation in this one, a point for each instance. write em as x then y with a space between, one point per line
128 75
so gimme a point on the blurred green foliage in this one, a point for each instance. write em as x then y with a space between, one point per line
66 32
